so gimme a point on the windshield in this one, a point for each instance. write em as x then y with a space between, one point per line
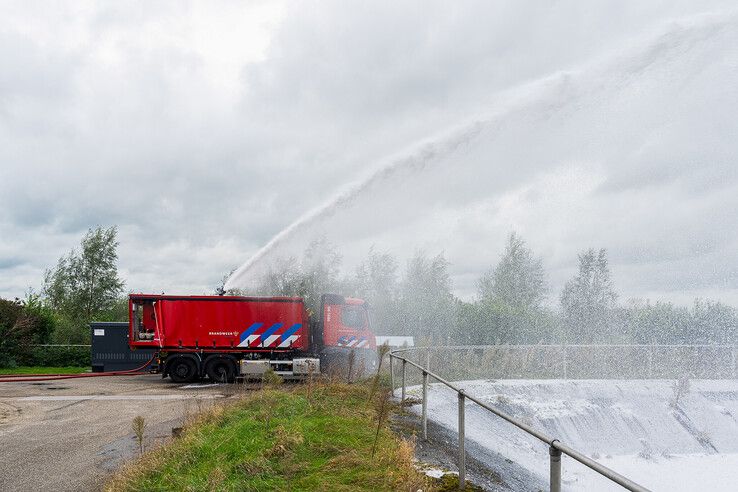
353 317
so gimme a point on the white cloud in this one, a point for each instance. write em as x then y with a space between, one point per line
204 128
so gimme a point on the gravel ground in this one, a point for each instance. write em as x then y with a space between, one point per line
70 434
482 466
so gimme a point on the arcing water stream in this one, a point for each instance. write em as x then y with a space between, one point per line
571 152
616 154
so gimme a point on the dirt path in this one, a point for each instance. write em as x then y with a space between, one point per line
70 434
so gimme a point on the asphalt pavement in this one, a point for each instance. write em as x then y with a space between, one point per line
70 434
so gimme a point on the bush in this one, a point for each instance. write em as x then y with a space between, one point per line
19 330
23 324
10 311
6 360
57 357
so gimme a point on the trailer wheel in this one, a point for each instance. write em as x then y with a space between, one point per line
182 370
221 369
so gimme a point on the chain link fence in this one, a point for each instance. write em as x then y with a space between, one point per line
467 362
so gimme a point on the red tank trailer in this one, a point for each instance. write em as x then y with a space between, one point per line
225 337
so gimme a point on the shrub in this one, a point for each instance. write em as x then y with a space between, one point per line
23 324
57 357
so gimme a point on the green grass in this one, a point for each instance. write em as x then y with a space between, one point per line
43 370
274 439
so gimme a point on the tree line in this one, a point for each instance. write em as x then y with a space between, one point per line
510 305
83 286
509 308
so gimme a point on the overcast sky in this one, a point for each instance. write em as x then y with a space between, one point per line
202 130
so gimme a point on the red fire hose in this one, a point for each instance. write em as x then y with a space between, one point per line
23 378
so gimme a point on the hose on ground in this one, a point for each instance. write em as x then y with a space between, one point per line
24 378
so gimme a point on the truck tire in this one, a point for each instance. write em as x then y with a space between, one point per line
221 369
182 370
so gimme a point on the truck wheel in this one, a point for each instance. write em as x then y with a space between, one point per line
221 369
183 370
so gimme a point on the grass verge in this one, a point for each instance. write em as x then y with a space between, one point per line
277 439
43 370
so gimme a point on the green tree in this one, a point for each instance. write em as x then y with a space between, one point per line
320 266
473 325
641 322
511 295
713 322
426 302
317 273
376 282
42 315
282 278
706 322
85 284
588 299
518 281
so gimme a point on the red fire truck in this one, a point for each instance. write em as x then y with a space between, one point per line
224 337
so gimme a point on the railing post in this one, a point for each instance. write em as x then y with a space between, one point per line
563 359
650 362
404 363
392 373
425 405
462 450
555 455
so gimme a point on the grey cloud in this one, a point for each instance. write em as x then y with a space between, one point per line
8 263
564 121
122 116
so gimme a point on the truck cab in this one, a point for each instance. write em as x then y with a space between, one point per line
346 329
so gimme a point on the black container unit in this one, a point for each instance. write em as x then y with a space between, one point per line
110 350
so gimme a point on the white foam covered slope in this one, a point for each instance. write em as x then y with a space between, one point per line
635 427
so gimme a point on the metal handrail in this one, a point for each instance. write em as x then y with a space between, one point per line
573 345
556 447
